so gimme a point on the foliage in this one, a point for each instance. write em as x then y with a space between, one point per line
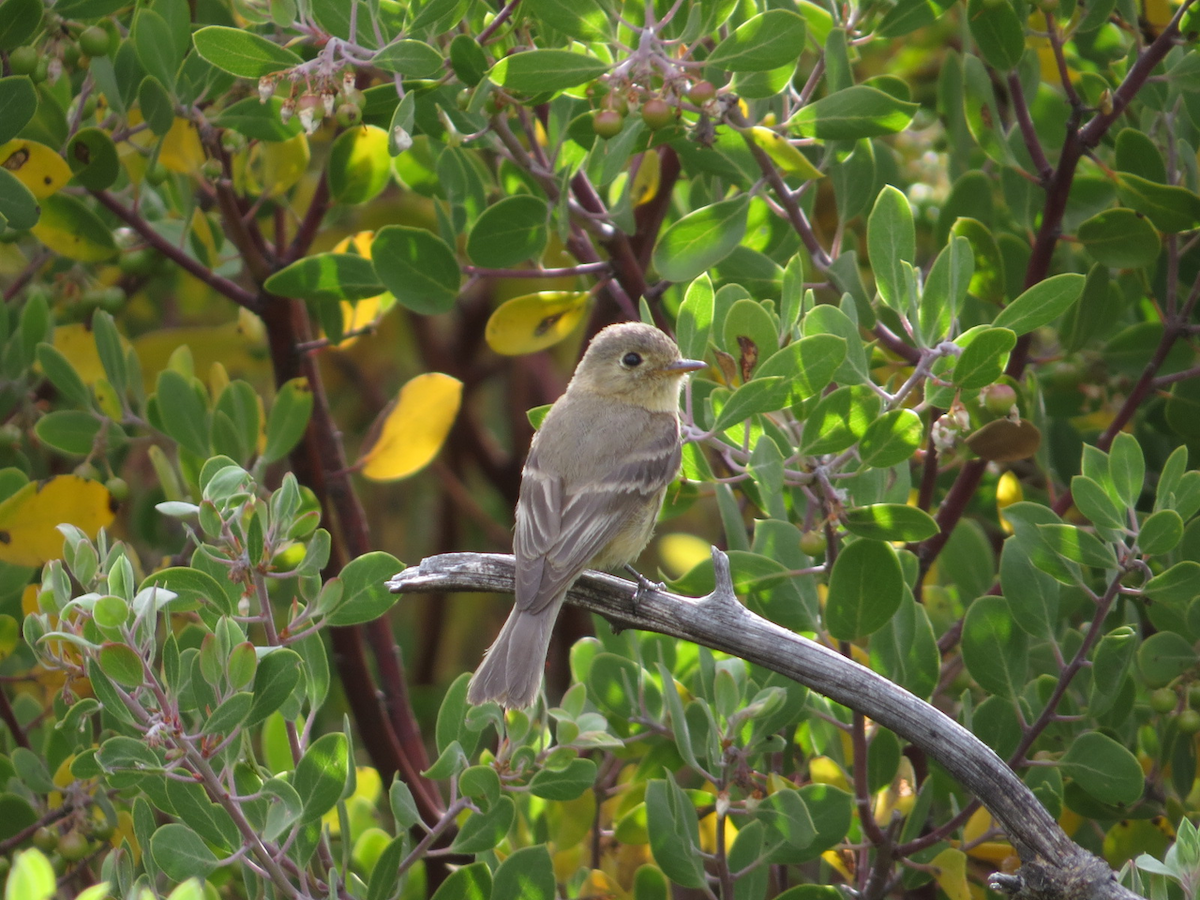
941 258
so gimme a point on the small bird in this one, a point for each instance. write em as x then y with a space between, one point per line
591 489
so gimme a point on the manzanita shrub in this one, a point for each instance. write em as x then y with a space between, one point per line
943 260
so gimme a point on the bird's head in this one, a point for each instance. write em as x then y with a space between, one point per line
634 363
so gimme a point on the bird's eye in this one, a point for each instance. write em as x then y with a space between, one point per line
631 360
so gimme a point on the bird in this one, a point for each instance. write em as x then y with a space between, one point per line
591 489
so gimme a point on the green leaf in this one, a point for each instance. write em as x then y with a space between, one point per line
192 587
259 121
985 353
527 873
694 322
586 20
277 676
891 239
1110 666
1041 304
998 32
1177 586
181 853
482 831
1105 769
19 21
890 522
758 396
890 439
1127 468
68 227
1078 545
907 16
1170 208
906 651
63 376
157 106
321 774
945 289
1160 533
808 364
288 418
1120 238
385 876
327 276
471 882
508 232
366 596
674 832
70 431
1095 503
418 267
701 239
539 71
767 41
416 59
184 415
18 102
866 587
994 649
402 804
852 113
92 156
564 784
839 419
241 52
360 165
18 206
232 712
155 47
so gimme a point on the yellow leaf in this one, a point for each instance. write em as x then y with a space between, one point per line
681 552
181 149
838 863
414 427
823 770
74 341
36 166
356 316
978 826
534 322
951 868
646 179
784 154
29 519
1008 492
237 345
280 164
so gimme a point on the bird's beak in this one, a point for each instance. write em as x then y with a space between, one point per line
686 365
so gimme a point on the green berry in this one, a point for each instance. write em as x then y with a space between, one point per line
1194 695
607 123
119 488
701 92
999 399
73 846
23 60
94 41
348 115
1163 701
45 839
1188 721
813 543
656 113
41 71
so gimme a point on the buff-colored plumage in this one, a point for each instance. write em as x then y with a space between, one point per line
591 490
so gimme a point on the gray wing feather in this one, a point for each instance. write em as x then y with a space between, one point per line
560 529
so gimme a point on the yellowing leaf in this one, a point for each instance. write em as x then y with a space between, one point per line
280 164
784 154
356 316
950 867
681 552
36 166
237 345
646 179
74 341
823 770
29 519
1008 492
181 150
414 427
534 322
979 825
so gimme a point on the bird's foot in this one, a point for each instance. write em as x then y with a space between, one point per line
644 585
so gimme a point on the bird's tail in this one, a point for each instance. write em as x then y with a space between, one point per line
511 671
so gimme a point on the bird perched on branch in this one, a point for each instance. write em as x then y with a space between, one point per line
591 490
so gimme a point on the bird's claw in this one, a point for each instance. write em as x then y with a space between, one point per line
644 586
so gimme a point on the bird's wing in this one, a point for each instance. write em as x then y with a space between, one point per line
561 528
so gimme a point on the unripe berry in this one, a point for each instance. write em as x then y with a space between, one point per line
94 41
998 399
23 60
1163 700
701 92
1188 721
813 543
656 113
607 123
